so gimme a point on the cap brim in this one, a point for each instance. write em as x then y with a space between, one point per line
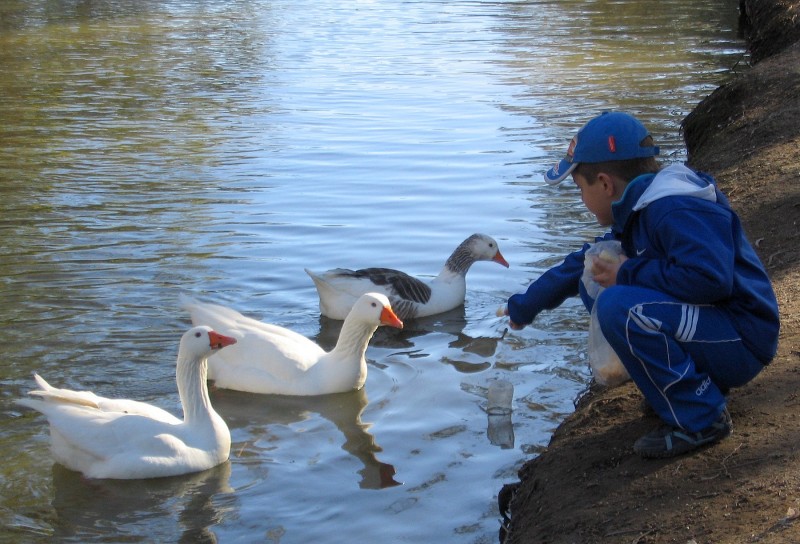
559 172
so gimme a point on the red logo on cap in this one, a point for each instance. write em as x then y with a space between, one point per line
571 149
612 144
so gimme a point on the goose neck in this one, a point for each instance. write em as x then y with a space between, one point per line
191 376
460 260
353 338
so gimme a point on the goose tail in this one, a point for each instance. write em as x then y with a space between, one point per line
48 393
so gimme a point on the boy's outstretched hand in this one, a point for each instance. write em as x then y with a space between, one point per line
503 310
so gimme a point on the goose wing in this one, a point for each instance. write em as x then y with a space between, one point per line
55 395
268 348
399 283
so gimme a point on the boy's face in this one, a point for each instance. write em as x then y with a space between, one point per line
597 196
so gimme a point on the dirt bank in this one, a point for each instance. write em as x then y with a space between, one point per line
589 486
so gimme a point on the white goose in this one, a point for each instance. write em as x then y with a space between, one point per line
270 359
410 297
127 439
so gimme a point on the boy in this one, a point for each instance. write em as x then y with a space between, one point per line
689 308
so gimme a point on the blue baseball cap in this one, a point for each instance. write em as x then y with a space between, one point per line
611 136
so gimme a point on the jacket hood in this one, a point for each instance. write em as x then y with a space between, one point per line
676 180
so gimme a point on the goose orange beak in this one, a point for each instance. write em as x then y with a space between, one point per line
499 259
388 317
219 341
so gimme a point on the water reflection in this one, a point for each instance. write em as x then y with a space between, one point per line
500 430
255 413
468 354
451 322
133 507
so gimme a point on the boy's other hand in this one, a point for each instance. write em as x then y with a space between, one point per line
604 271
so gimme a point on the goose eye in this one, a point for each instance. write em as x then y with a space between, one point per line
198 334
374 305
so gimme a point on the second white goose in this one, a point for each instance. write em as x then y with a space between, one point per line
274 360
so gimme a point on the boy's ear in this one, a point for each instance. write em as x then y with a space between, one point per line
609 187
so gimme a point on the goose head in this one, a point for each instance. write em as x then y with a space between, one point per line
478 247
485 248
199 342
375 309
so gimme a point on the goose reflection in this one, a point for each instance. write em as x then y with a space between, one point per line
453 323
117 507
251 412
472 352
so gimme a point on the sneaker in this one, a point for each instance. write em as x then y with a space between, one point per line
671 441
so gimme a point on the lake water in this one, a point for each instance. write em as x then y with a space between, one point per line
216 148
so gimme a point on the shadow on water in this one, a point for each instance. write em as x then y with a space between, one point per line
250 411
452 323
84 506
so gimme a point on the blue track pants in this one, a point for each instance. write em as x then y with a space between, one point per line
681 356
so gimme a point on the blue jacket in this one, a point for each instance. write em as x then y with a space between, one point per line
682 238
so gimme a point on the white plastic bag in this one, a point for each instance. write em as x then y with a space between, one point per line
607 369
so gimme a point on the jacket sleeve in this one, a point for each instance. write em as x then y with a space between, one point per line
692 258
550 290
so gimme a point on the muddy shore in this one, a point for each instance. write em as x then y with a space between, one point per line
588 486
